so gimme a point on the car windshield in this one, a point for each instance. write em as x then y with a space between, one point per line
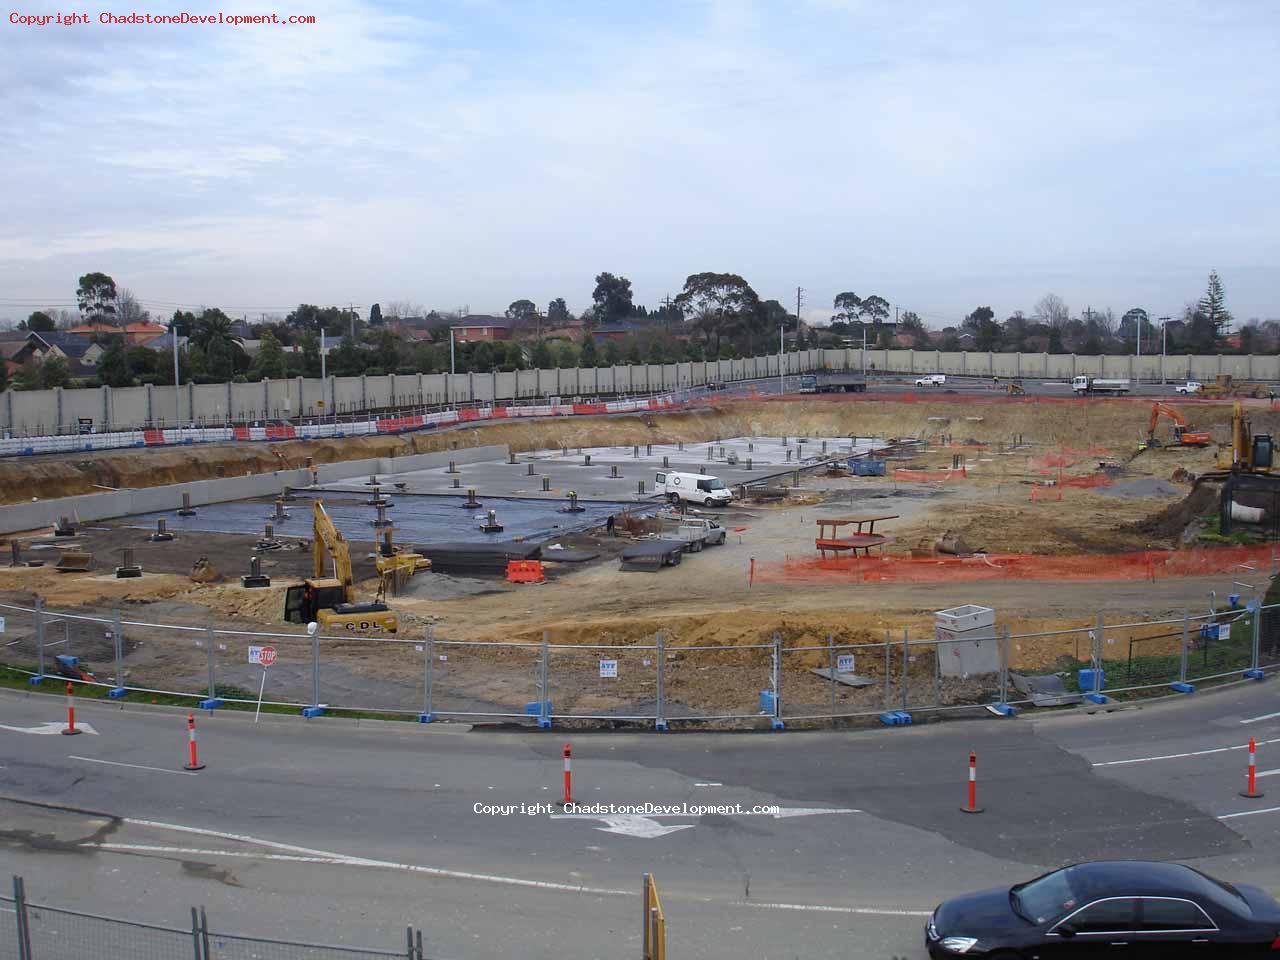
1047 897
714 484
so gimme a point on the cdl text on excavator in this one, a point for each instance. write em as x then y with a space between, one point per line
1182 437
330 600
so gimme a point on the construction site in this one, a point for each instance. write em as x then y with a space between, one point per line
846 523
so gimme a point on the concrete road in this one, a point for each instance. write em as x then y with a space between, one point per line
822 844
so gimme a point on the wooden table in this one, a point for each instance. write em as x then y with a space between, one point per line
862 538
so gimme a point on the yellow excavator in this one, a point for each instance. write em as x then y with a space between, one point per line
330 600
1250 452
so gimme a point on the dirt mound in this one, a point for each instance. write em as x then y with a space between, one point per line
1170 523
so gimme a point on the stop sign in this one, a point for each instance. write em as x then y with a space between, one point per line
268 656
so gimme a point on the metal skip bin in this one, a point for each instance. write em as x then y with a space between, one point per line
966 637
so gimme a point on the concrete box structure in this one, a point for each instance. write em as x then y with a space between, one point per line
966 638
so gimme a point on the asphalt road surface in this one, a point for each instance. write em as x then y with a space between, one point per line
331 831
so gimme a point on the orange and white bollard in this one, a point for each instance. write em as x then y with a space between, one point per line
972 805
193 762
568 777
1252 792
70 729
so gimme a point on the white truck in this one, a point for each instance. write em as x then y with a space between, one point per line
932 380
692 487
1088 385
696 533
1188 388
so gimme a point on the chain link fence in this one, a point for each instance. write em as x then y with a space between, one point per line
796 679
38 931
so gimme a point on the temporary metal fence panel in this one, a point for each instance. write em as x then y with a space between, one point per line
717 682
222 946
832 679
8 929
19 643
603 682
57 934
1035 656
1269 637
372 674
486 679
234 662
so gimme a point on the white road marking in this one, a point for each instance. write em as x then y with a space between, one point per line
1249 813
45 729
1181 756
1268 773
1269 716
135 766
647 827
824 908
635 826
709 784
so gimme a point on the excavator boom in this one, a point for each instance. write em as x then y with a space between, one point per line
1181 435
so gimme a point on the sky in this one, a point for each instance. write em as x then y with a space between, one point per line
451 153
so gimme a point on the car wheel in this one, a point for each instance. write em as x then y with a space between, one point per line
673 498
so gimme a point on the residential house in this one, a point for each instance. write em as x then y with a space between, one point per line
477 327
18 349
81 352
614 331
135 334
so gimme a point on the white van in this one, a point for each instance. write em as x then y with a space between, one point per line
692 487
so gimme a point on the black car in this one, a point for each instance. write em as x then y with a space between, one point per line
1124 908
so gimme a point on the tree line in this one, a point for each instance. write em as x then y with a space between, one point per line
714 316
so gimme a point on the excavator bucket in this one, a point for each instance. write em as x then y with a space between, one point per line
75 561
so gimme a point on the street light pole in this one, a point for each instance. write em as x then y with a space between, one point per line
1164 345
177 380
782 350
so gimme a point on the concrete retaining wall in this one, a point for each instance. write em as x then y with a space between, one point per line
122 503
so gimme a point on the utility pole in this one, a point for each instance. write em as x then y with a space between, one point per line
1164 344
351 316
799 301
177 380
782 352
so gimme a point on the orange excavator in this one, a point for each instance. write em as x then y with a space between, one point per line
1182 437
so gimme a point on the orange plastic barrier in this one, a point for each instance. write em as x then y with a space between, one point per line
1138 565
525 571
929 476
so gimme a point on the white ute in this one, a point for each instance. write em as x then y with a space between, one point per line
932 380
1189 387
692 488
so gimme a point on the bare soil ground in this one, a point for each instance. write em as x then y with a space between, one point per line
706 602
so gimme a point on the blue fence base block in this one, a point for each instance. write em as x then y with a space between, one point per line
1096 698
212 704
544 723
310 712
1254 675
896 718
36 681
1002 709
1181 687
426 717
775 723
119 693
659 726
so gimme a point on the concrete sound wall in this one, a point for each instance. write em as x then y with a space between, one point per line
122 503
50 412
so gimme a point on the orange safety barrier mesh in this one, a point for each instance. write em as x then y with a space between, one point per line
929 476
1088 482
1139 565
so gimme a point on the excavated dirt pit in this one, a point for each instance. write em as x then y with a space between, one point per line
1015 476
